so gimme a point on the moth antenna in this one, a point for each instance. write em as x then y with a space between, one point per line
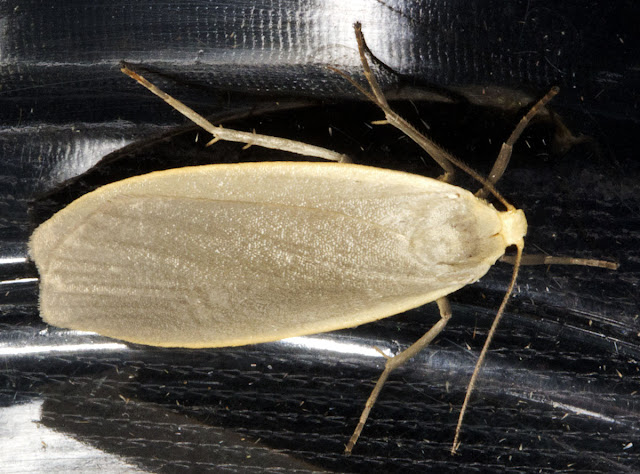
487 343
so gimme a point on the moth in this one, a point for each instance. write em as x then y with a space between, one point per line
235 254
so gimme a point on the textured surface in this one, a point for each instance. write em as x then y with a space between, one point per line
559 392
53 55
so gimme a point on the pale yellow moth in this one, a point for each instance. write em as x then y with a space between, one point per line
234 254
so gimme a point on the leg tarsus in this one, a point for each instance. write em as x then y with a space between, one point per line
395 362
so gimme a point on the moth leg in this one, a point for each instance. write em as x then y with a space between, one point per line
442 157
397 361
249 138
552 260
504 156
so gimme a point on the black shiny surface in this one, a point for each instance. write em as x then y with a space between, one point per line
560 388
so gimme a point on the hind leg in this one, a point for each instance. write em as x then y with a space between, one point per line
220 133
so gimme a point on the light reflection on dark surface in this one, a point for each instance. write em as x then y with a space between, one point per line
30 444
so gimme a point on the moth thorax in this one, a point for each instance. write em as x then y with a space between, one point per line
514 227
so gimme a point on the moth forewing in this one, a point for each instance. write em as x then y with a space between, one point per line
250 253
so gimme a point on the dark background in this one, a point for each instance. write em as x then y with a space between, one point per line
560 387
